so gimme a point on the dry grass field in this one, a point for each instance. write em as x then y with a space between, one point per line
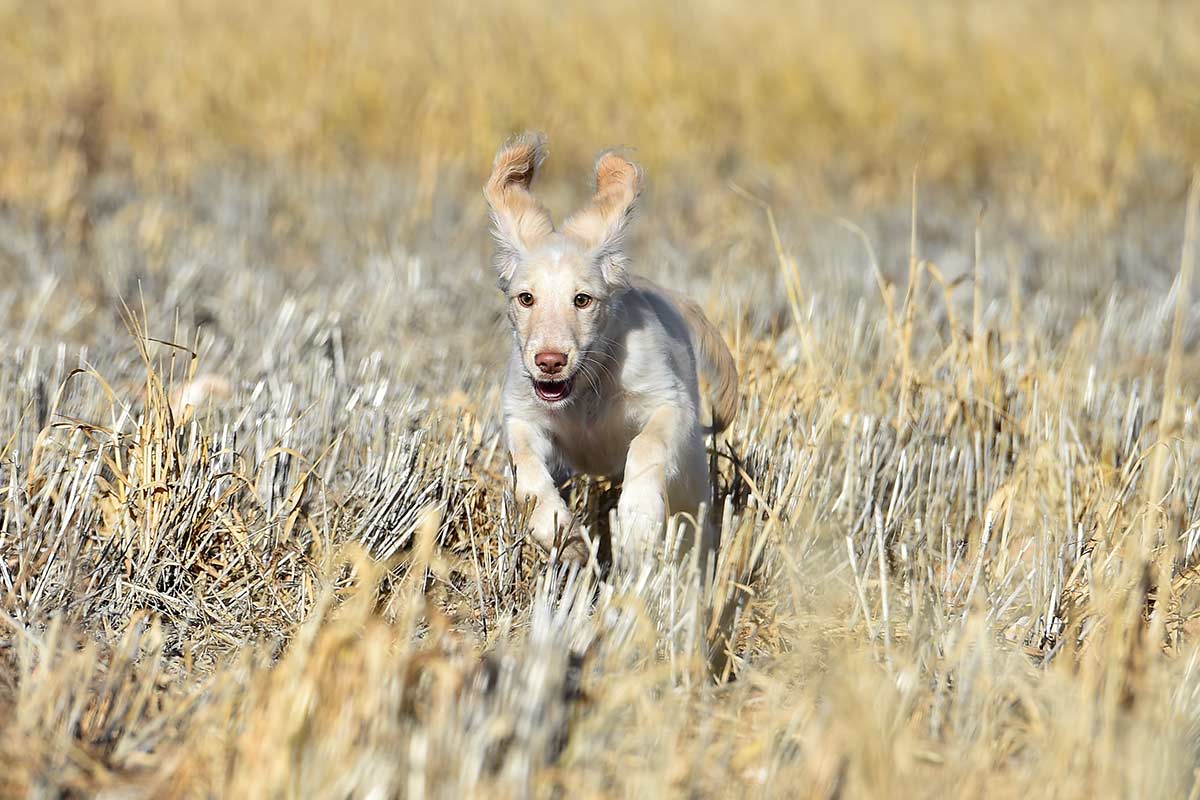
951 245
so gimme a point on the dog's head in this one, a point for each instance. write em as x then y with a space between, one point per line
560 285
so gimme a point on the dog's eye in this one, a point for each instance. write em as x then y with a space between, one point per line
525 299
583 300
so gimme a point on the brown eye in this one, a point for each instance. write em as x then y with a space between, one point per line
583 300
525 299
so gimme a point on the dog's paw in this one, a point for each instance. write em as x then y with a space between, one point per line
576 546
550 519
641 514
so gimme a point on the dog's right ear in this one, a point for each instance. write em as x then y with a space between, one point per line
519 221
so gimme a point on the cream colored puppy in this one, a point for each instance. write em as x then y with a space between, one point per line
605 368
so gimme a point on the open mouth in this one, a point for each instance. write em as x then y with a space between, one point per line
552 391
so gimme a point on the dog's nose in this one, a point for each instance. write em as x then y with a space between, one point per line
551 363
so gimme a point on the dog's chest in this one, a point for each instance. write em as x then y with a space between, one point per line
596 445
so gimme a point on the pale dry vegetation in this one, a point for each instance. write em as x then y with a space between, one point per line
961 523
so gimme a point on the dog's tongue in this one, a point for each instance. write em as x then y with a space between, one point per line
552 390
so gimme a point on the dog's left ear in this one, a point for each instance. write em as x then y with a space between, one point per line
519 221
600 225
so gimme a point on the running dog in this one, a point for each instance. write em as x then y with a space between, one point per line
606 367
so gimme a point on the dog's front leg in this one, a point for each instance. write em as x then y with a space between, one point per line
654 454
531 451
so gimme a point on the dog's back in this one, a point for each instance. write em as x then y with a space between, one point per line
715 366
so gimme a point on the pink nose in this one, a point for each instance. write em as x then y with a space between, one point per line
551 363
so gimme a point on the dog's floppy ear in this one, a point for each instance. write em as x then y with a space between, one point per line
519 221
600 225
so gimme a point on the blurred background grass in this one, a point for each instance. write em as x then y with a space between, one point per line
1079 105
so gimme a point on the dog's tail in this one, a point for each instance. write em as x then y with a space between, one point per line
714 362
